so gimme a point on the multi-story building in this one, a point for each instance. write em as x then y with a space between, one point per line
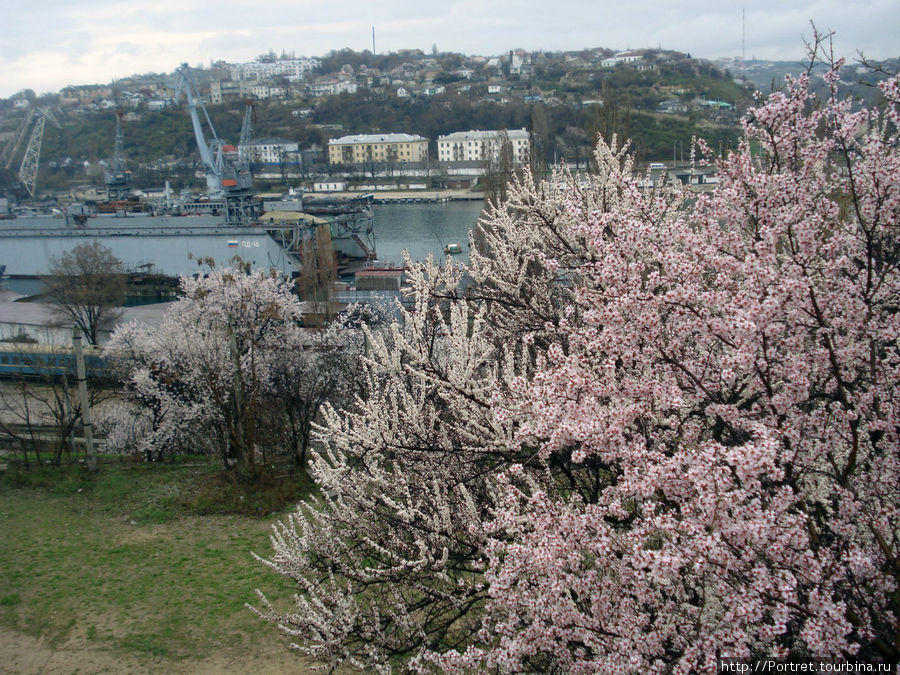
478 146
84 93
271 151
289 68
329 86
219 91
390 148
265 91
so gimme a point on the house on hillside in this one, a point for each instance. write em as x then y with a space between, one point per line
672 106
621 57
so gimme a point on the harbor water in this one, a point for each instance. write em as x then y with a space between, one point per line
423 229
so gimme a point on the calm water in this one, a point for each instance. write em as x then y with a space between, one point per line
423 228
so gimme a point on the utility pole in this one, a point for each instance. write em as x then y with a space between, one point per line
743 34
90 457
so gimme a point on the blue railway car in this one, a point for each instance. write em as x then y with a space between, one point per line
21 359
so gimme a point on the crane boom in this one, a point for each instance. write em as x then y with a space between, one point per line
12 147
118 151
187 84
246 127
28 171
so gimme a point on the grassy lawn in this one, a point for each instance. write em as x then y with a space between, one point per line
123 563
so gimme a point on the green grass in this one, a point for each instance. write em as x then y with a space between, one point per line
122 561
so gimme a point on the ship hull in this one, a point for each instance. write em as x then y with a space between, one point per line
162 244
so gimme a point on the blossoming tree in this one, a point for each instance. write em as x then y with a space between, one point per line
642 430
228 372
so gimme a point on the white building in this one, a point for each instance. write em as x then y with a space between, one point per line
260 91
330 186
289 68
477 146
271 151
621 57
518 59
331 87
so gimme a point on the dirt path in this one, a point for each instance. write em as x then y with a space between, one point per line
23 654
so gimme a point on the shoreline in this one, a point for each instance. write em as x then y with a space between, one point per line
403 196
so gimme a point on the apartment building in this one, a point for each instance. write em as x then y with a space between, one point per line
271 151
289 68
478 146
362 148
329 86
220 91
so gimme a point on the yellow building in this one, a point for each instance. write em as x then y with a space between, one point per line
386 148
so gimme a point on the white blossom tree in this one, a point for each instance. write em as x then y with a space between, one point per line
638 432
207 379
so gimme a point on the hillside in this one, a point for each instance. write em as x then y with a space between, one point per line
659 99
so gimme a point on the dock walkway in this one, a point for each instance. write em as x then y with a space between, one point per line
404 196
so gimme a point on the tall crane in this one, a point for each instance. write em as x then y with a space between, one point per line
118 180
226 176
28 170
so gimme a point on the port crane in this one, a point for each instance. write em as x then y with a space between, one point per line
118 180
227 175
247 125
28 170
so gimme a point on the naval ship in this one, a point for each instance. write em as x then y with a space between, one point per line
186 239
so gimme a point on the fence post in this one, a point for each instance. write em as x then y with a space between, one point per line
90 457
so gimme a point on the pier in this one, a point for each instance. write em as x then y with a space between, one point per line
404 196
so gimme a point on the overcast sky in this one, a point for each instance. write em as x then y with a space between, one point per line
48 44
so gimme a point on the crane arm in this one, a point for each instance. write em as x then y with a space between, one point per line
12 147
247 126
186 83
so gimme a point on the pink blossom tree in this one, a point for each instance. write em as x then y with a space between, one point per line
643 430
